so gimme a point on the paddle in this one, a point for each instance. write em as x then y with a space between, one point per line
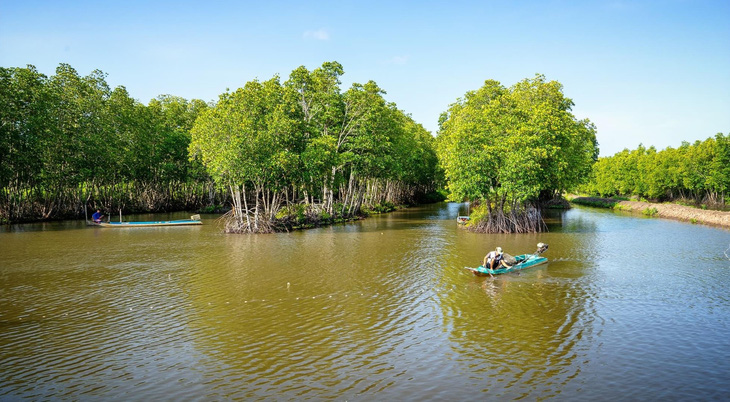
490 270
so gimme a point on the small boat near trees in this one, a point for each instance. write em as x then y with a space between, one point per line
462 219
194 220
513 264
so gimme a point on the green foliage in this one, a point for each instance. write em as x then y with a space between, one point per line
295 212
515 143
379 208
210 209
699 172
650 211
612 203
247 136
308 141
479 213
24 122
434 196
384 207
514 146
67 140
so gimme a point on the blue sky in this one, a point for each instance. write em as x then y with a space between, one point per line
651 72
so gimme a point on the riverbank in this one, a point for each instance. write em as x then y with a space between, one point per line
663 210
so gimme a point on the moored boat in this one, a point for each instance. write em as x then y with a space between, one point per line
194 220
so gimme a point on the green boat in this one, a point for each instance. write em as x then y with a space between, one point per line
522 261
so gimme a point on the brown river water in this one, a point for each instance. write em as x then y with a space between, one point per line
628 308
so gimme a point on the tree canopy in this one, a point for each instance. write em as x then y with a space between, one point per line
67 140
507 149
287 153
305 150
698 172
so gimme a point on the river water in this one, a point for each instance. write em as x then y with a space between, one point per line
628 308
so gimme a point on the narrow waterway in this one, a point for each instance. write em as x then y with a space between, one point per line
382 309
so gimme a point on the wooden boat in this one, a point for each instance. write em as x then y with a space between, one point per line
194 220
522 261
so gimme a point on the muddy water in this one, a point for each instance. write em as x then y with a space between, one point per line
382 309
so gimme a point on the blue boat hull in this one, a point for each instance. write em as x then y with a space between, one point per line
181 222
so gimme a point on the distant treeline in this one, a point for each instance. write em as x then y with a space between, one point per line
698 173
281 155
67 141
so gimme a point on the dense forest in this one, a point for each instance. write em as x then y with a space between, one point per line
696 173
305 151
281 154
68 141
511 151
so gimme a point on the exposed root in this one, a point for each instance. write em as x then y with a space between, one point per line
529 221
235 224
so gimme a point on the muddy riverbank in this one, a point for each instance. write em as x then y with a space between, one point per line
664 210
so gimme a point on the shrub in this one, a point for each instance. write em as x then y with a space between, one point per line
384 207
650 211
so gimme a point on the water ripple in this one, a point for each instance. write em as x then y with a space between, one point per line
378 310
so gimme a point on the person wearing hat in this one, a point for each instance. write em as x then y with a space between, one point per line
97 216
493 259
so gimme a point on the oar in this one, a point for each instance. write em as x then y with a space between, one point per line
489 270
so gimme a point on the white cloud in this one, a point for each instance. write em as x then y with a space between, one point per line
399 60
320 34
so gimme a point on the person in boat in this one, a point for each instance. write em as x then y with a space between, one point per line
97 216
494 259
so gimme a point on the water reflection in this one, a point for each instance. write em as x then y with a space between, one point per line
344 315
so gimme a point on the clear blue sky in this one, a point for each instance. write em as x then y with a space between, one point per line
651 72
